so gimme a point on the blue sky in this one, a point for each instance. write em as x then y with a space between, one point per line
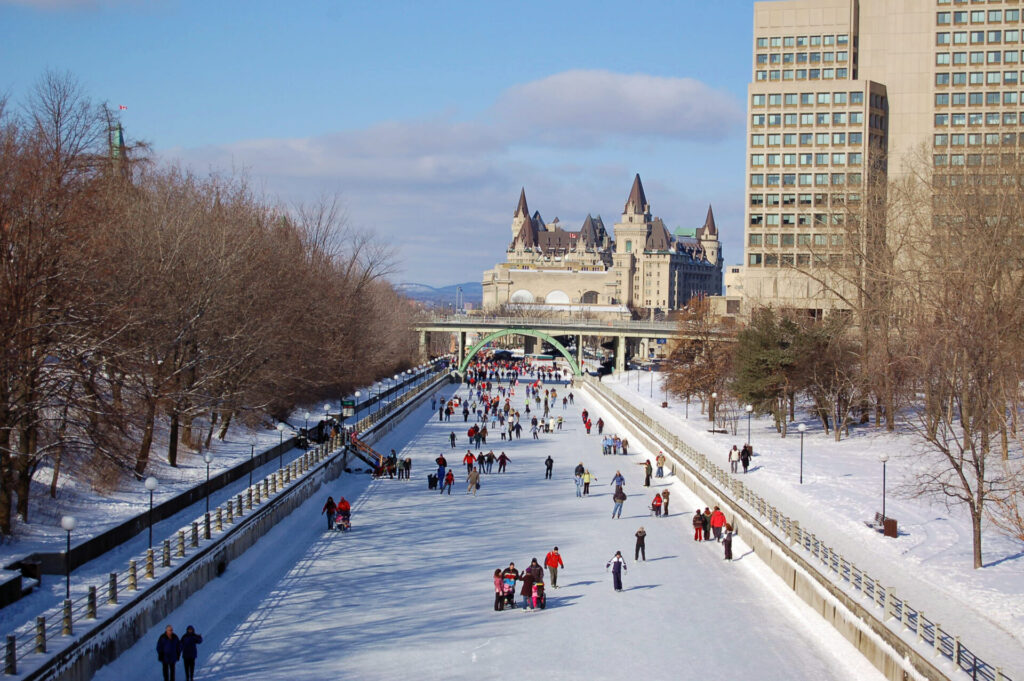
425 118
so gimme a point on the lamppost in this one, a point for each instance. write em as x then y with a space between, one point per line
714 404
652 382
252 454
750 410
151 486
883 458
802 428
280 446
68 522
208 458
306 428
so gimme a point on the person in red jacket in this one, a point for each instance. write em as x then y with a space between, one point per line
717 523
553 561
469 460
344 513
656 505
449 480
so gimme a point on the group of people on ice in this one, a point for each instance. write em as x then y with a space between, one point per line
712 524
339 514
532 578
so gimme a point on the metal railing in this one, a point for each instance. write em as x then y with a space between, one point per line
552 322
894 608
52 631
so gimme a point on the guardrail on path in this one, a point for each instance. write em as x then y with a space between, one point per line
894 608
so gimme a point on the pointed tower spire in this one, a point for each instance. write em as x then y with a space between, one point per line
521 209
709 223
636 199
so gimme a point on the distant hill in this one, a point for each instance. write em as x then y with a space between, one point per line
472 291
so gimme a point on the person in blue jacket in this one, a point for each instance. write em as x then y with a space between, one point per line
168 650
189 641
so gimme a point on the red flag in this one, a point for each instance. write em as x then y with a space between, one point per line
122 107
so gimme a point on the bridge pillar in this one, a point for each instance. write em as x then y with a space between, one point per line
530 345
579 351
462 346
621 342
424 346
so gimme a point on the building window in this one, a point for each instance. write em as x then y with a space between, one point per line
629 246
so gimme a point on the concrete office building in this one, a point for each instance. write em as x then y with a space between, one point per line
845 93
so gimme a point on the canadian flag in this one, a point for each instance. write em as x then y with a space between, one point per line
122 107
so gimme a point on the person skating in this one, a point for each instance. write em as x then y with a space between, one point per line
587 479
600 426
579 469
168 650
449 480
641 544
509 578
625 447
659 461
499 591
618 498
469 460
329 508
618 480
189 651
664 502
578 479
734 459
717 523
656 505
502 460
706 520
553 561
473 481
617 565
442 464
526 592
548 465
745 455
727 541
698 525
647 472
451 438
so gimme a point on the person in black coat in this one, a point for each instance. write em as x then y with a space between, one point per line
727 542
548 464
617 565
168 650
641 544
189 653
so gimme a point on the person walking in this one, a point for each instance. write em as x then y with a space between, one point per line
664 502
469 460
745 455
659 461
473 481
449 480
502 460
727 541
619 497
617 565
734 459
451 438
587 479
656 505
168 650
717 523
329 508
600 426
189 652
648 469
553 561
548 465
641 545
578 478
698 525
706 520
625 447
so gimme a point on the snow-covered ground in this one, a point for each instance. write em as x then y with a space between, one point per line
929 564
408 593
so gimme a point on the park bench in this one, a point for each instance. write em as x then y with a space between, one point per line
883 524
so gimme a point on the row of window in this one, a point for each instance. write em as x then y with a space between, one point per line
808 98
802 200
978 16
805 179
979 58
974 160
803 74
823 159
979 78
977 98
978 37
993 118
976 139
795 240
806 139
973 2
835 118
803 41
820 220
804 57
802 259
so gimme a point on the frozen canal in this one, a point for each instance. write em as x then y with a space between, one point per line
408 593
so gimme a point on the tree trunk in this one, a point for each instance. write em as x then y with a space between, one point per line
172 440
213 424
976 534
5 482
142 459
224 426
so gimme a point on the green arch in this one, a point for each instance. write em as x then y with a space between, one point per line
520 332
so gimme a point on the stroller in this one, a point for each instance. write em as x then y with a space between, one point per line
539 599
342 521
509 594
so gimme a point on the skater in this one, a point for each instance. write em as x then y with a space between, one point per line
706 521
664 502
189 653
656 506
617 564
578 479
548 465
469 460
717 523
509 578
659 461
727 541
625 447
745 455
451 438
618 480
553 561
734 459
600 426
344 516
329 508
619 497
502 460
647 472
527 578
449 480
499 591
473 481
407 464
587 479
698 525
641 546
168 650
442 464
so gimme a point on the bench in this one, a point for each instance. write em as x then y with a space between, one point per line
883 524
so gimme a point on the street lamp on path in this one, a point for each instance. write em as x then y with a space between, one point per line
801 428
750 410
208 459
252 454
280 446
68 522
884 458
150 484
714 405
